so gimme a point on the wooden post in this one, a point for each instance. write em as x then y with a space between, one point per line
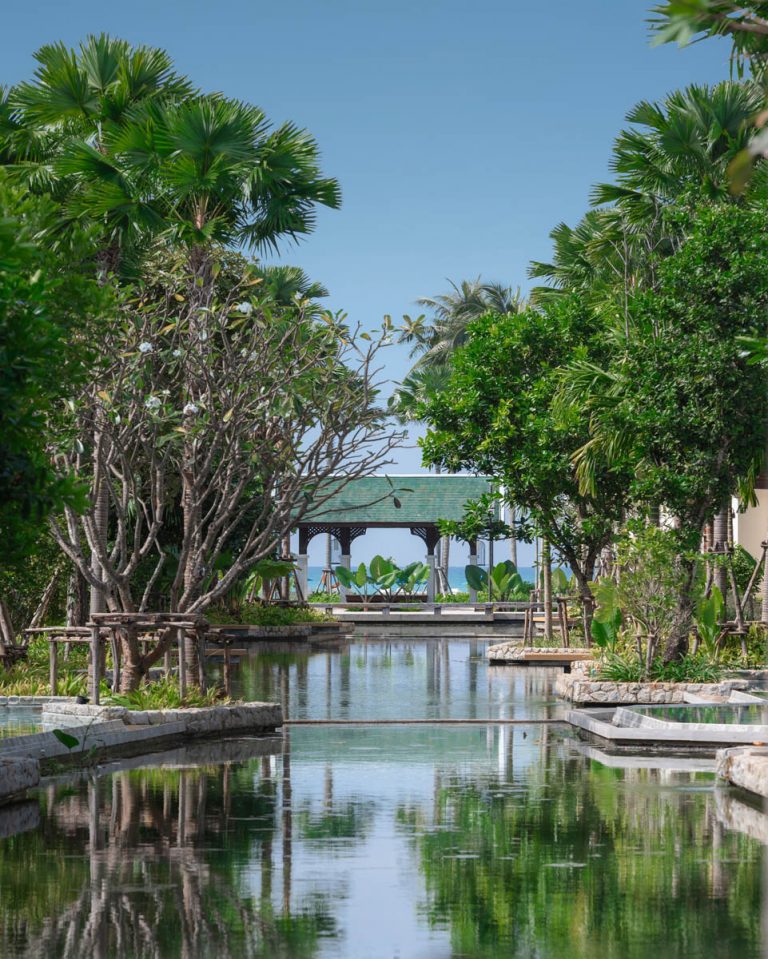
562 609
227 670
95 665
182 663
200 636
53 663
115 645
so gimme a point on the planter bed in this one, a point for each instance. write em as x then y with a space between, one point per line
607 726
582 690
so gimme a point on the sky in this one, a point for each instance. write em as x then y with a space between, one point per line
461 132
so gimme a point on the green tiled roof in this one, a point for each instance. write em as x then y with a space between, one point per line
423 499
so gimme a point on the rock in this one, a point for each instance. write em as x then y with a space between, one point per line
16 777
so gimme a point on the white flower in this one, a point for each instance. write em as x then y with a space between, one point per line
190 409
145 347
177 353
245 307
152 402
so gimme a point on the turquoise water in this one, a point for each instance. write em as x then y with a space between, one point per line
432 841
456 576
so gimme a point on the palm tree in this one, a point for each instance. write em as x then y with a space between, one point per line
287 284
453 312
53 136
121 142
433 344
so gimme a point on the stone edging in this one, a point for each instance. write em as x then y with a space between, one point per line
515 652
105 732
577 688
746 767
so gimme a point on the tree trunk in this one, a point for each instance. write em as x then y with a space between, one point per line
77 598
677 644
45 601
98 599
512 538
720 547
546 575
445 555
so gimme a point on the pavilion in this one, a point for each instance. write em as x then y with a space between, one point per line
415 502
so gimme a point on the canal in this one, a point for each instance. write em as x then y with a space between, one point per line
422 841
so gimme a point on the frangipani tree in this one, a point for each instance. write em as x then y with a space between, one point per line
242 422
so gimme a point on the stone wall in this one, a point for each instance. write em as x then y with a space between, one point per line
16 777
580 688
746 767
512 652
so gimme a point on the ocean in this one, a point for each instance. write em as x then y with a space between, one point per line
456 576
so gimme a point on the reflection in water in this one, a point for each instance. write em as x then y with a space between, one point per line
432 679
372 842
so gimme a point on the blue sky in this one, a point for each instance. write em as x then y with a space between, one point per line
461 132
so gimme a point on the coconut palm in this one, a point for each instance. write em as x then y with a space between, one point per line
452 313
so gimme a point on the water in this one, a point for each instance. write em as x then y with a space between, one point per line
751 714
398 680
19 720
366 842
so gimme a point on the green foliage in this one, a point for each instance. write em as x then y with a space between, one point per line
506 583
628 668
480 521
164 694
23 582
456 597
66 739
384 578
607 618
497 417
268 615
709 612
645 604
30 676
47 307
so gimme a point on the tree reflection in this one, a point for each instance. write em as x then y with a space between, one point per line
594 862
156 862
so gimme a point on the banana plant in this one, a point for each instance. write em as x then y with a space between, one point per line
707 620
607 619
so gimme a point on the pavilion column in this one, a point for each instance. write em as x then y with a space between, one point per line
302 565
431 539
472 562
345 542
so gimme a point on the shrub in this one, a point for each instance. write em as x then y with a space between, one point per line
165 694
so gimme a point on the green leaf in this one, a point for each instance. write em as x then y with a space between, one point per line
476 576
65 739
